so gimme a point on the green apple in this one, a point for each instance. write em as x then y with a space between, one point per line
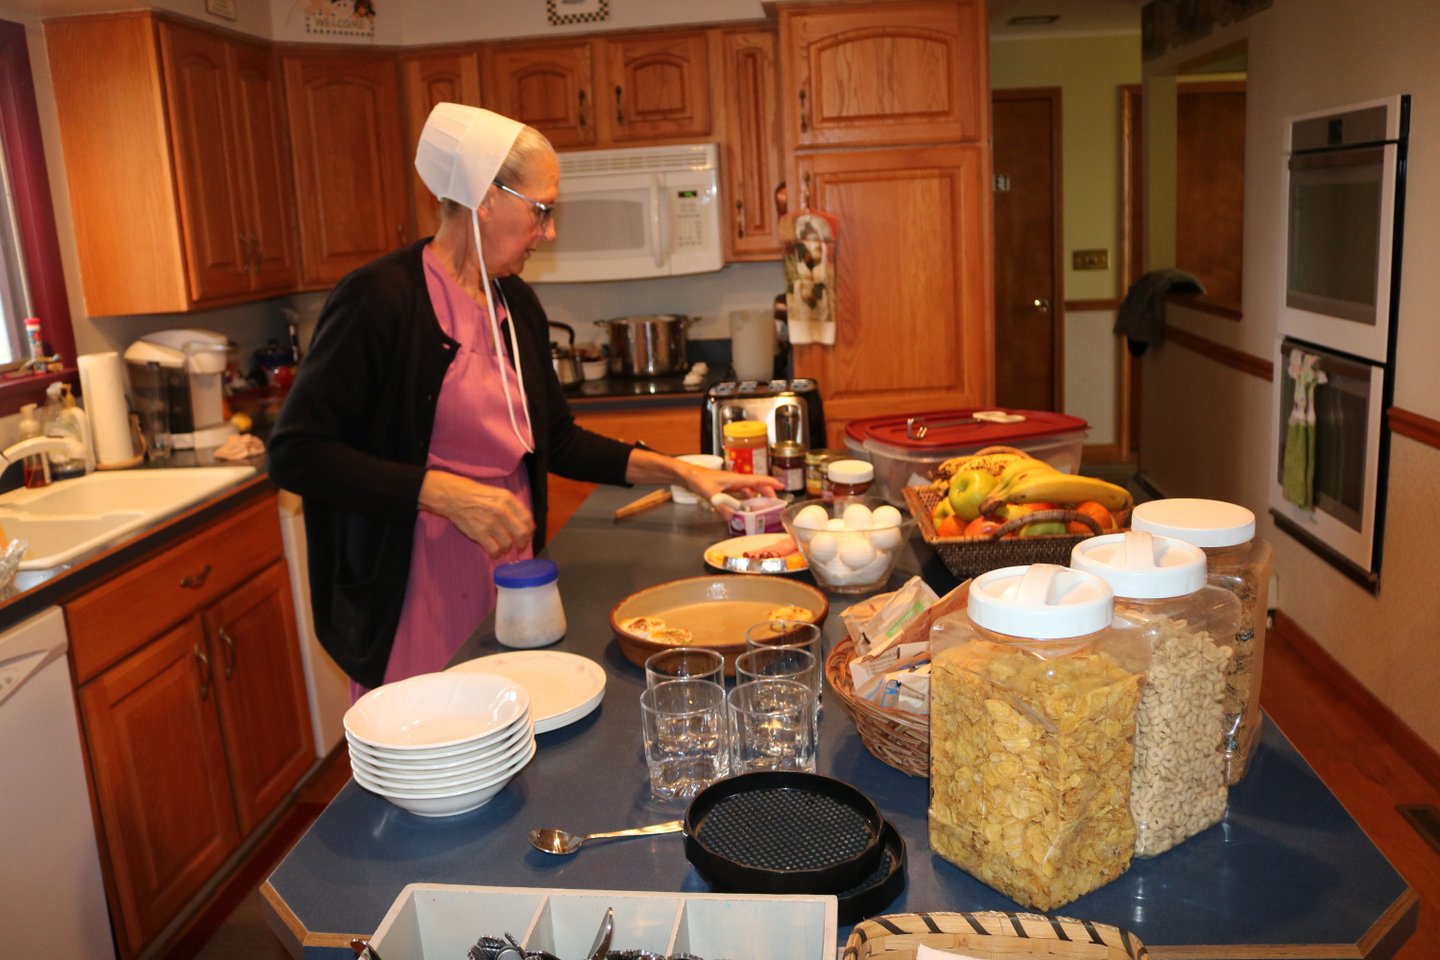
1048 528
968 489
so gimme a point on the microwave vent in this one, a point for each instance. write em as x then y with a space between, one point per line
700 156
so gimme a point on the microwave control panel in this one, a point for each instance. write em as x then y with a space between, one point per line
689 218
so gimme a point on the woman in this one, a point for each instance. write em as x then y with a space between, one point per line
418 442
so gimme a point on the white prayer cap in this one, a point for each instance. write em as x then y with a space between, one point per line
461 149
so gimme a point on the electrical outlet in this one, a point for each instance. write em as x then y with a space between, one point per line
1090 259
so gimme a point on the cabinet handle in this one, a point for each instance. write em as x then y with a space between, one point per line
619 104
245 256
229 653
206 677
804 113
259 251
740 219
196 581
400 233
582 110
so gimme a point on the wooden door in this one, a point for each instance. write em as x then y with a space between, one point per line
267 183
660 87
1028 304
160 779
885 74
450 76
197 95
548 86
344 113
752 168
261 692
913 313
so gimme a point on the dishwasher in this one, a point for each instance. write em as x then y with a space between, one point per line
52 896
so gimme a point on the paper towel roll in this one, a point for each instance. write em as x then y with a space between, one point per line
102 382
752 344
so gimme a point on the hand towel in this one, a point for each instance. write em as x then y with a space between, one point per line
1141 317
1297 477
810 276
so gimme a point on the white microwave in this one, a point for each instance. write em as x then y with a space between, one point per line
633 213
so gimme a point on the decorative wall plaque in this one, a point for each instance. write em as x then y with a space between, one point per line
563 12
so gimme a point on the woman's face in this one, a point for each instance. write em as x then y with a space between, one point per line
513 229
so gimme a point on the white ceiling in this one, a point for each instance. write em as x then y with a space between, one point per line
1077 17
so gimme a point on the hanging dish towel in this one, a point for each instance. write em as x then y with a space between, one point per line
1297 479
1141 317
810 288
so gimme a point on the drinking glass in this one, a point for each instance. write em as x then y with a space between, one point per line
772 726
786 663
686 736
684 663
792 633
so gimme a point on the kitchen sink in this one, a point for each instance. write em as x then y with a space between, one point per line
70 517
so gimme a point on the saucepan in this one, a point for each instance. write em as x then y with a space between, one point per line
653 345
567 364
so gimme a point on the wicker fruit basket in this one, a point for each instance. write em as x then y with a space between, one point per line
991 935
967 557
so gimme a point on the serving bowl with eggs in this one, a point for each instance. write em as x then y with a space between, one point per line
851 543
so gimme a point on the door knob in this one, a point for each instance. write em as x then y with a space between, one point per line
1042 304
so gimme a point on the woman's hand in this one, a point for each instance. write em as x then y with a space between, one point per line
706 483
492 517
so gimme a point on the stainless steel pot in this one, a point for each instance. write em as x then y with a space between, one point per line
648 346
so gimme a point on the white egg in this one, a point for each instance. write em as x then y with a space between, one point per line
836 572
875 570
857 517
823 546
834 523
885 516
856 552
812 517
885 538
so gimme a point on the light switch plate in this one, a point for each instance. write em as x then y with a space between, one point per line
1090 260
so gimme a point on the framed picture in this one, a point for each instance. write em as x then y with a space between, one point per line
564 12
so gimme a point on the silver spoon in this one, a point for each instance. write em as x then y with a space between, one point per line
553 840
602 936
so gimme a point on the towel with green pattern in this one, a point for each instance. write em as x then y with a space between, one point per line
1297 477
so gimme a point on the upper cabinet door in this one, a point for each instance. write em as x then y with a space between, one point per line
267 183
344 112
548 86
659 87
752 165
431 78
886 74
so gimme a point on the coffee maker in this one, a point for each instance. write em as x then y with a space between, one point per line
176 384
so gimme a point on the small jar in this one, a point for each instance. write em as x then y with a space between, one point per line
1240 562
1032 724
848 478
528 612
787 462
747 447
816 461
1179 629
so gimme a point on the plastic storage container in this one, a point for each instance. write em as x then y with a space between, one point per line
1241 563
1179 629
528 612
915 444
1032 721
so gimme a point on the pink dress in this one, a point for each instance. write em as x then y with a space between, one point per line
452 583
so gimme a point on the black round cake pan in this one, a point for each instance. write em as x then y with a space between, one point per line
783 832
877 891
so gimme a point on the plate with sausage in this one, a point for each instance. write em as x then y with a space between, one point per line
766 553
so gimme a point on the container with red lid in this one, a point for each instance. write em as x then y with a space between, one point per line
905 445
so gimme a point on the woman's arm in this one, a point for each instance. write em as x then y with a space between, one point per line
647 466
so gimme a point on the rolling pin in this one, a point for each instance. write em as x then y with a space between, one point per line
652 499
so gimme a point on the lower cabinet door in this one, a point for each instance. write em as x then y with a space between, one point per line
261 686
160 778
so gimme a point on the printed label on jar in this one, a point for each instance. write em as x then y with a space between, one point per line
792 477
753 460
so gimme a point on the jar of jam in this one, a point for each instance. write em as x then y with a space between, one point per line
815 463
787 462
848 478
747 447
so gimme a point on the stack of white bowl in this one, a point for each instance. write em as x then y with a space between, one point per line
440 743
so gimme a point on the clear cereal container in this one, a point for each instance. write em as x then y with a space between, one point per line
1032 723
1240 562
1180 630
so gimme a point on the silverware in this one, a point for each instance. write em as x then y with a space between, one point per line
562 842
602 936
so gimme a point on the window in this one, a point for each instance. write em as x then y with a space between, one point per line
31 282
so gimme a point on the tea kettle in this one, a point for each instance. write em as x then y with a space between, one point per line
566 363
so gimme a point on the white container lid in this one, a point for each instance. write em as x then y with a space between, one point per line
1142 566
850 471
1043 601
1205 523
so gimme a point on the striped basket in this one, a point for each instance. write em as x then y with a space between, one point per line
991 935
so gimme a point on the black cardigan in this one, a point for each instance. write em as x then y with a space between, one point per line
353 437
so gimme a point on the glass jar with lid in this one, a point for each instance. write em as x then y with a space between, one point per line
747 447
528 612
1032 720
787 462
1179 629
1241 562
848 478
816 461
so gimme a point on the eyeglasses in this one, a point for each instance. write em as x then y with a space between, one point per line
547 210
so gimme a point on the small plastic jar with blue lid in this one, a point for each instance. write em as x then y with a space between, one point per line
528 612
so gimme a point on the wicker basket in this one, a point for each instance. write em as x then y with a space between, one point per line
991 936
898 737
967 557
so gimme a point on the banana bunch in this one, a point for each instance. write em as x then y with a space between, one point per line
1038 482
993 460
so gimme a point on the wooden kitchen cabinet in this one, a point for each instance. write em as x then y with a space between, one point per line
177 162
549 86
658 87
350 167
883 74
194 710
752 168
431 77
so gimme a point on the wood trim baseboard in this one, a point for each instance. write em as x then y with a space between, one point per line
1416 426
1102 304
1419 753
1221 354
